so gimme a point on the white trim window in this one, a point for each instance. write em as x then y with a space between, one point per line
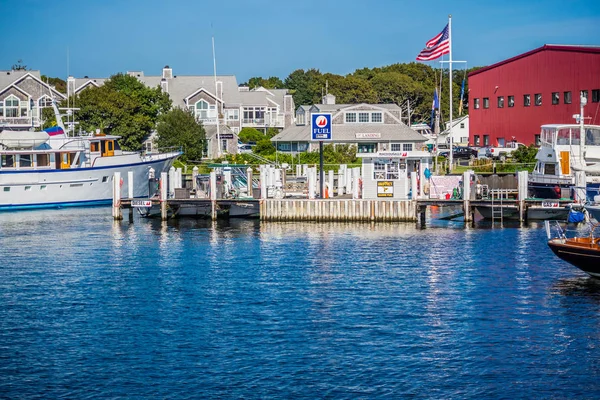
363 117
232 114
376 117
385 171
350 118
202 109
407 147
300 119
396 146
11 107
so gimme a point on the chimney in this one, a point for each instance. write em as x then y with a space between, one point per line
329 99
219 90
167 72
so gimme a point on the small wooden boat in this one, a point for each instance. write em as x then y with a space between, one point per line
582 251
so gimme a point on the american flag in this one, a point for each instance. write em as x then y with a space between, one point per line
436 47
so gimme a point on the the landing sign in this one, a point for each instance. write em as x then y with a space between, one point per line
320 126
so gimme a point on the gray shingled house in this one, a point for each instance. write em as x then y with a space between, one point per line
23 95
234 107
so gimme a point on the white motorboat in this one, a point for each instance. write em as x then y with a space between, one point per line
60 170
559 157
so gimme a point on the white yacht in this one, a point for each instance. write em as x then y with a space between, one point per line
41 170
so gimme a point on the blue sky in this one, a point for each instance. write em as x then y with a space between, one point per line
275 37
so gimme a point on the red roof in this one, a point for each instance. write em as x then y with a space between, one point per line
555 47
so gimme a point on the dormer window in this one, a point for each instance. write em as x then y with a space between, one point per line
376 117
11 107
350 117
363 117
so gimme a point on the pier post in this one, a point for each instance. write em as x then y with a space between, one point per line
194 177
152 185
171 181
522 178
131 215
330 183
348 178
179 178
164 183
413 185
263 182
116 212
130 184
298 170
467 195
249 182
213 195
312 184
355 185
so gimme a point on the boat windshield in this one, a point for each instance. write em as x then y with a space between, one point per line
592 137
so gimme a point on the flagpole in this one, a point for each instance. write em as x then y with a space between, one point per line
450 63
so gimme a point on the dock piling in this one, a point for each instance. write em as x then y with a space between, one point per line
116 210
163 195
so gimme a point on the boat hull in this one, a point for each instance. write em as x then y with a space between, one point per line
594 211
584 256
33 189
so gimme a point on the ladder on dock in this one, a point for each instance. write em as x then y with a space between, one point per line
498 195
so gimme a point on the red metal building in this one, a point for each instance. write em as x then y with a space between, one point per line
511 99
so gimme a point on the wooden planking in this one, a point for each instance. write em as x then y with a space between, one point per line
338 210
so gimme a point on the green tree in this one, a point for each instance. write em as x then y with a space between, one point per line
19 66
264 147
305 86
525 154
271 82
248 135
179 128
122 106
58 83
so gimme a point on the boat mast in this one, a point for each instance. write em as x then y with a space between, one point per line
216 96
580 176
450 66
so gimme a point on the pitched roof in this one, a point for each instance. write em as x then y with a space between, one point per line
211 130
554 47
346 133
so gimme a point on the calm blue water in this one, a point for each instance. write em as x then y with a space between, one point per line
91 308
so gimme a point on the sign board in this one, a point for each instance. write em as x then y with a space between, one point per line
320 126
141 203
226 136
372 135
550 204
385 189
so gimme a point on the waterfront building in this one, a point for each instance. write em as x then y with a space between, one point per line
389 149
511 99
460 132
23 95
234 107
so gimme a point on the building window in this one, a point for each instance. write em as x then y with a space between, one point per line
511 101
462 125
407 147
567 98
396 147
486 102
224 145
202 109
486 140
476 104
232 115
363 117
526 100
367 147
500 101
583 93
538 99
476 140
300 119
11 107
376 117
350 117
382 171
595 95
537 140
555 98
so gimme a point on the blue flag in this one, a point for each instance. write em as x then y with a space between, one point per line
435 105
462 96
